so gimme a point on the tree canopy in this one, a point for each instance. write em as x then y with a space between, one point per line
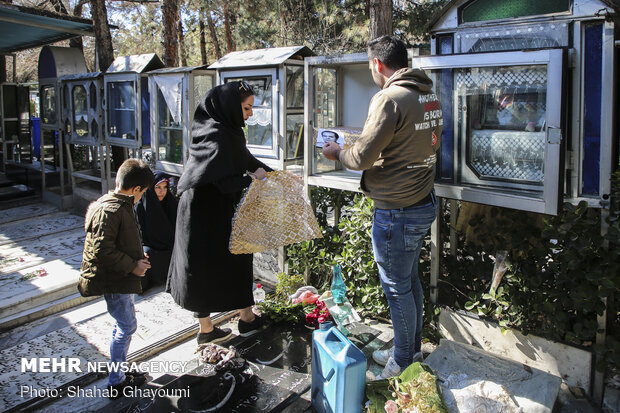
208 29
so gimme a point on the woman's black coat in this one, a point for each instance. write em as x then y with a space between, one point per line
204 276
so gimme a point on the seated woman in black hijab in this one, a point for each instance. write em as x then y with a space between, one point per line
204 276
157 214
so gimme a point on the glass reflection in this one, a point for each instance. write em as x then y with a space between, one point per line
170 133
503 112
48 105
122 110
80 110
259 127
294 136
324 114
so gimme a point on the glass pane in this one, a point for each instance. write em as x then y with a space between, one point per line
294 136
325 97
502 117
65 98
145 107
171 145
9 96
325 105
493 10
295 87
170 133
48 105
93 96
202 84
95 129
259 129
80 110
539 35
122 110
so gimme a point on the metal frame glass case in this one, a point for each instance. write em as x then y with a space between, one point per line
338 92
83 113
175 94
127 100
15 124
82 97
55 62
506 83
505 118
274 131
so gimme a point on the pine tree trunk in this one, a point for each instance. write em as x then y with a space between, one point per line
283 27
105 56
77 12
230 45
203 41
103 38
380 18
182 51
169 13
216 44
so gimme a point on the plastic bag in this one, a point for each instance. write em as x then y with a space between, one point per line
274 212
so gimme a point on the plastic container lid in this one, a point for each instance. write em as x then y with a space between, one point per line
259 285
326 325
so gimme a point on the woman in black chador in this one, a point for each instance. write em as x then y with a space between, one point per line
157 215
204 276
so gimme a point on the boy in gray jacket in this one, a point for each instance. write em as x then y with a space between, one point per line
113 262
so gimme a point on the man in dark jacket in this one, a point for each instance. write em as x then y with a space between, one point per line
113 262
397 152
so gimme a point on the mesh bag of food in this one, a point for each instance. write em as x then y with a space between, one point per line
274 212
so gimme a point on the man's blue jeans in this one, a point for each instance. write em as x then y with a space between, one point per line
121 308
397 238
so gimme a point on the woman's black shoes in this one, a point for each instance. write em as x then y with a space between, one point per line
216 336
247 329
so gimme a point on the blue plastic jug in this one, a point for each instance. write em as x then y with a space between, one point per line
338 372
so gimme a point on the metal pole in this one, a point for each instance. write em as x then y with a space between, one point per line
598 390
435 252
453 217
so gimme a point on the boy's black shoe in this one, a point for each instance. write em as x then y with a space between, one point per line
247 329
118 390
138 374
216 336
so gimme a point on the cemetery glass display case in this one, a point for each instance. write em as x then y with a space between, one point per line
54 63
127 100
15 139
83 117
527 90
338 92
274 131
175 95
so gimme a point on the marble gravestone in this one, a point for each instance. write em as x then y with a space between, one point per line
276 373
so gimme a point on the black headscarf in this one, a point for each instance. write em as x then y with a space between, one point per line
218 145
157 218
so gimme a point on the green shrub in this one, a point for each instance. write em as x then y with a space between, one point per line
560 270
287 285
